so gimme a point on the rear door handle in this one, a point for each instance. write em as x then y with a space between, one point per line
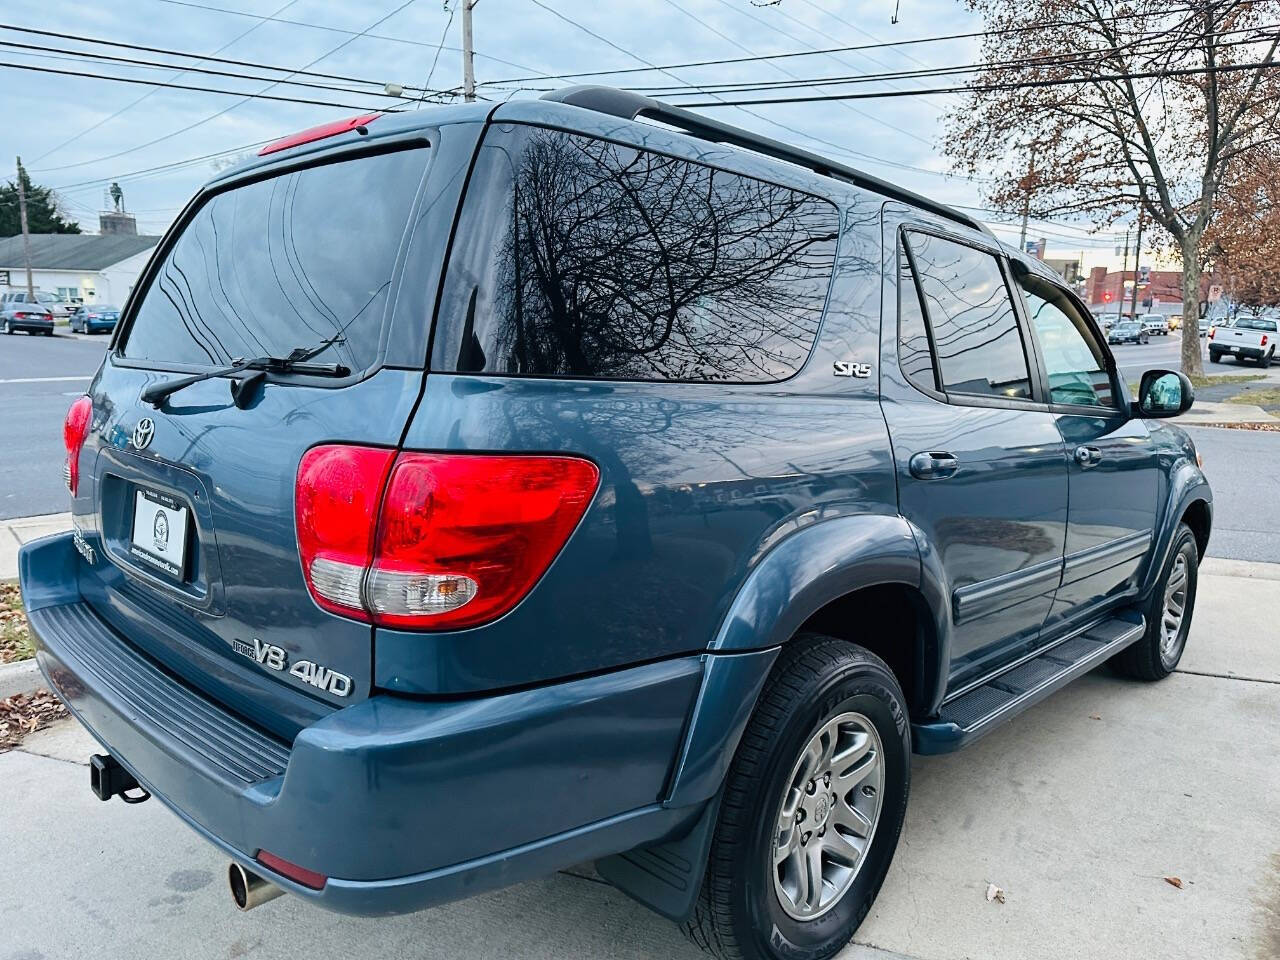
1088 456
933 465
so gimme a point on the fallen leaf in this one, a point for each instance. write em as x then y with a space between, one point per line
1094 716
995 893
1174 882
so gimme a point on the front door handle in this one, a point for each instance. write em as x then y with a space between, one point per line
933 465
1088 456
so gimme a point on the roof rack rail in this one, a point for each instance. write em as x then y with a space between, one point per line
623 103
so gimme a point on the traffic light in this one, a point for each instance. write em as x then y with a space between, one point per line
1106 296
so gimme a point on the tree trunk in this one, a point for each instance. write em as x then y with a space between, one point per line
1192 362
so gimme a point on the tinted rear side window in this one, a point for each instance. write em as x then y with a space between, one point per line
975 330
282 263
580 258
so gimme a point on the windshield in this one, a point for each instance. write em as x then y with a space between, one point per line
1127 325
103 308
294 259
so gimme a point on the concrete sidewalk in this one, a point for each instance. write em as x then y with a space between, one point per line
1078 809
14 533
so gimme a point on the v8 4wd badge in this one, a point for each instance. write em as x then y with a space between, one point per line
274 657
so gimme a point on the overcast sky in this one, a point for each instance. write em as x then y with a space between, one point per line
65 132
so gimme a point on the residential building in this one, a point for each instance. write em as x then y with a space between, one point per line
77 267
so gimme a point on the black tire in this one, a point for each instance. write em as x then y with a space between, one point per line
1149 658
8 328
1215 357
738 915
1266 361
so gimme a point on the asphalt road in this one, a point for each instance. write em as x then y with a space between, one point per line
39 377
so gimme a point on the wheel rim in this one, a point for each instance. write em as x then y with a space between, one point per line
1175 609
827 816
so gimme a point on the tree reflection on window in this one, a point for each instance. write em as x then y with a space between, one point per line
606 261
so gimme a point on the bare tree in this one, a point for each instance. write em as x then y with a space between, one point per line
1243 242
1122 104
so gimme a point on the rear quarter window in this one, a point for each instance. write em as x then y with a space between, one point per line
576 257
285 262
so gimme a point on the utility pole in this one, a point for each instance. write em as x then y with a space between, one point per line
26 234
1137 264
1026 200
468 54
1123 270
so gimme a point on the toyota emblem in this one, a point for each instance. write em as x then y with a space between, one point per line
143 433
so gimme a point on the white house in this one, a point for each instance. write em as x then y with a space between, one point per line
92 268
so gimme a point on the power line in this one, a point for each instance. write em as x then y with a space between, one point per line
785 72
170 86
320 26
200 57
1076 58
261 94
80 56
813 53
988 87
133 103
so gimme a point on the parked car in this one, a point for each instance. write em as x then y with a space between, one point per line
1248 338
58 308
18 315
1128 331
1155 324
645 539
95 318
1204 324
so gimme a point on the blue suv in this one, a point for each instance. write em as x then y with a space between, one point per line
475 492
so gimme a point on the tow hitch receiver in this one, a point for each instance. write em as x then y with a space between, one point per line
107 778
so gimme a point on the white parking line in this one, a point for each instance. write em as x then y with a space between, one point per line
45 379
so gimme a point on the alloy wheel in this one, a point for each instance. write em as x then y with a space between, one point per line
1175 608
827 816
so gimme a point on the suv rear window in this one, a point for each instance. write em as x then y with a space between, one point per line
576 257
281 263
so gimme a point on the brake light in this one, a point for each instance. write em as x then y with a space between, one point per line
74 430
460 538
312 134
1264 341
1212 330
336 507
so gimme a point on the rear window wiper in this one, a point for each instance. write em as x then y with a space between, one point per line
295 362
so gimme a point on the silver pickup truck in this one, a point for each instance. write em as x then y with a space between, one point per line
1252 338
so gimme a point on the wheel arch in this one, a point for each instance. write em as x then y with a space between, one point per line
831 577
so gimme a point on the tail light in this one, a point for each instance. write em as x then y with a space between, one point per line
1264 341
432 540
1212 331
74 430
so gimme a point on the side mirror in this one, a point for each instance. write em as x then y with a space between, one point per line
1164 393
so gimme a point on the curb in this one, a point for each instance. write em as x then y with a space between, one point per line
21 677
1246 569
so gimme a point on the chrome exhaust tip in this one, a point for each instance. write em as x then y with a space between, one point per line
248 890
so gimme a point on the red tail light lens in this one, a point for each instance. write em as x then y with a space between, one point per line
1212 331
336 506
461 538
74 430
1264 340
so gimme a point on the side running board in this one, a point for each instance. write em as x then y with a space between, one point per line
982 709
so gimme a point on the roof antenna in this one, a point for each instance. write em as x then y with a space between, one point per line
896 4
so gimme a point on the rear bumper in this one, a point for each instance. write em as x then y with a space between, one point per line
1235 350
31 325
403 803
